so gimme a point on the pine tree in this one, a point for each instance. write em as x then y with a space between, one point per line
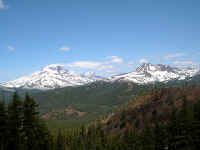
30 123
3 126
180 128
173 130
196 126
147 138
15 116
186 118
160 137
60 141
44 138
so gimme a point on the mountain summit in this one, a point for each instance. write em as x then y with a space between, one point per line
50 77
148 73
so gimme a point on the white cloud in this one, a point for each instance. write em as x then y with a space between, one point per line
115 59
183 63
143 60
132 63
11 48
2 5
171 56
65 48
90 65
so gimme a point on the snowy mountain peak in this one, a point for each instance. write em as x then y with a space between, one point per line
50 77
54 66
146 67
147 73
57 76
90 74
94 76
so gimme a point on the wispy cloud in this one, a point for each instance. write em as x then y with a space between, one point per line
65 48
171 56
131 63
11 48
183 63
143 60
2 5
90 65
115 59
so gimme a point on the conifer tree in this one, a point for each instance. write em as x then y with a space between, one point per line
60 141
3 126
44 138
147 138
30 123
185 125
160 137
196 126
15 117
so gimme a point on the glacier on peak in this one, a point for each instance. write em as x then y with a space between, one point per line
148 73
57 76
50 77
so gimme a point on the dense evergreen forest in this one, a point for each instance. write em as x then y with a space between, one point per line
22 129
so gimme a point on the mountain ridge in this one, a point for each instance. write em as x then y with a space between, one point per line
56 76
149 73
51 77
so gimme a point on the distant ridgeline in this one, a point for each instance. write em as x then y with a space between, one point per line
92 99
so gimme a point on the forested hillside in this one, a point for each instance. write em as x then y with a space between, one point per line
162 119
92 100
166 118
155 106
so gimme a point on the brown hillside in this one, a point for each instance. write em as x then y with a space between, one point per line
157 105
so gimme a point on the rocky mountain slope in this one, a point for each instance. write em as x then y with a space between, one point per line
148 73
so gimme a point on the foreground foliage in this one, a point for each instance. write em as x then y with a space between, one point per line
20 126
22 129
180 132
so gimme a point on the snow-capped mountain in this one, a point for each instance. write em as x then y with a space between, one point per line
50 77
56 76
93 75
2 88
148 73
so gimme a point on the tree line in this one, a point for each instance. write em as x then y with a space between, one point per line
21 127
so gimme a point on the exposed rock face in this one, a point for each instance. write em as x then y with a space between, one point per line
148 73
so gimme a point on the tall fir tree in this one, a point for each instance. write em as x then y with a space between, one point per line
160 137
3 126
15 117
60 144
30 123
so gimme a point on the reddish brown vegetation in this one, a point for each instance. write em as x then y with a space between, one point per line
63 114
157 105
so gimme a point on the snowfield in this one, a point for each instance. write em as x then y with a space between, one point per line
56 76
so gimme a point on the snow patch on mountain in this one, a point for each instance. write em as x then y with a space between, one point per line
148 73
56 76
50 77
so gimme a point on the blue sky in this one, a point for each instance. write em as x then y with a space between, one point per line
107 37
